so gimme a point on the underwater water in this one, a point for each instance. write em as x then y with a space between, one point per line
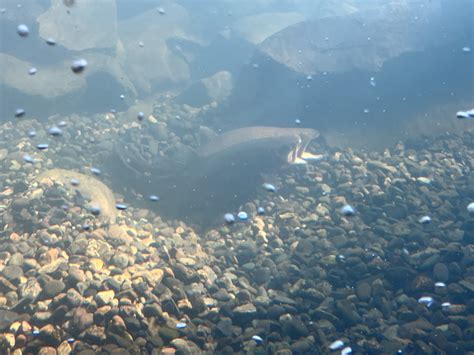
248 177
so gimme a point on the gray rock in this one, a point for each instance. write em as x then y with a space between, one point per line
363 291
348 312
7 318
13 273
52 288
224 327
120 260
185 347
441 272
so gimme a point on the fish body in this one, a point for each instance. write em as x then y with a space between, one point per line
248 138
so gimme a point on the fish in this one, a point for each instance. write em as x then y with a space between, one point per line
253 137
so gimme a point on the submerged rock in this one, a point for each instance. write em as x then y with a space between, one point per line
98 193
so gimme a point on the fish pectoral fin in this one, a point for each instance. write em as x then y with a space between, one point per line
310 156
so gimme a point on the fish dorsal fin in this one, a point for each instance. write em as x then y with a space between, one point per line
206 135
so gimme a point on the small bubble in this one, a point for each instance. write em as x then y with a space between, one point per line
348 210
78 66
426 300
257 339
95 171
243 216
161 10
55 131
229 218
95 210
19 112
121 206
269 187
50 42
470 208
336 345
141 116
28 158
298 122
425 220
261 210
31 133
466 49
32 71
153 198
75 182
122 96
23 30
42 146
181 325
